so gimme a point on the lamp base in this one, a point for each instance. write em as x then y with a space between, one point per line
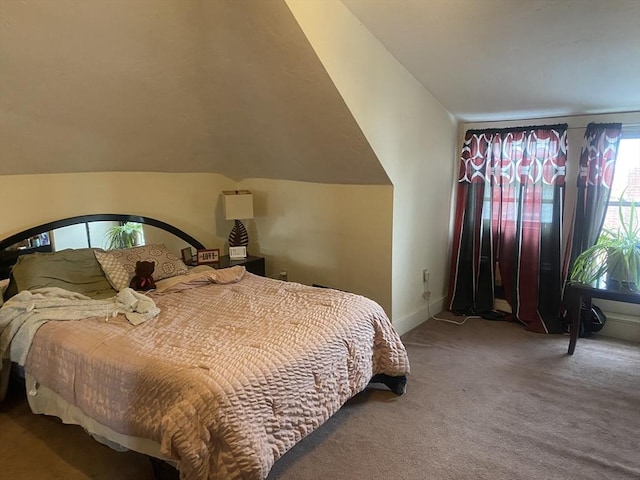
238 236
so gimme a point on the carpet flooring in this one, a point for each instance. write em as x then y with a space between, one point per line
485 400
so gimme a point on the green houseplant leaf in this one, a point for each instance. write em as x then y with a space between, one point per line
126 235
615 255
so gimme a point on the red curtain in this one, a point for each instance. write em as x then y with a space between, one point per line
508 224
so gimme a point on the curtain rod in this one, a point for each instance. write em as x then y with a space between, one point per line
578 127
602 124
625 126
557 126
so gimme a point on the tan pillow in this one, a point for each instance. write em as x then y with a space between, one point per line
119 266
3 286
73 270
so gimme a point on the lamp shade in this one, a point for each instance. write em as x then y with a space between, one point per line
238 204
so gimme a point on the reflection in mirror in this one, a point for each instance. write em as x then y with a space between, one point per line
81 235
94 234
124 235
36 241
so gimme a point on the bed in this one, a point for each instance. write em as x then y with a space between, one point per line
217 372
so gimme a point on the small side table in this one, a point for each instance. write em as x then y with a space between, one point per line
576 294
253 265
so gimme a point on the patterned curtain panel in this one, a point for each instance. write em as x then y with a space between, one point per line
597 166
508 224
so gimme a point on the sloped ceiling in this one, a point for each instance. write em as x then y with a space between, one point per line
512 59
172 86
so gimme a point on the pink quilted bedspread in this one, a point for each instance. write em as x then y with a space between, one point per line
228 377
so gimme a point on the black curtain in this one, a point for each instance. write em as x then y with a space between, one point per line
597 167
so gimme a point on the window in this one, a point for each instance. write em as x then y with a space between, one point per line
626 180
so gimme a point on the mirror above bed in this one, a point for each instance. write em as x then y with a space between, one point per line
89 231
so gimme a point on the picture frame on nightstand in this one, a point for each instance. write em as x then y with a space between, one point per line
187 255
236 253
205 257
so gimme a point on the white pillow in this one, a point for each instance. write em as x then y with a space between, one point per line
119 266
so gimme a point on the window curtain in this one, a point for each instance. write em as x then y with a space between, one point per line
597 166
508 224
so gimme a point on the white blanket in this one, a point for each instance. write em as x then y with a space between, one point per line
201 275
24 313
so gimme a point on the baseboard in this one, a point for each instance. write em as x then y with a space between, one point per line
621 326
410 322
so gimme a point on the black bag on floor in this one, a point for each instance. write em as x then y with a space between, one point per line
591 321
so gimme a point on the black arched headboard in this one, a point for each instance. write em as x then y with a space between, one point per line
8 257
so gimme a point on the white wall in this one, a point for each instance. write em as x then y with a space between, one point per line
373 241
623 320
171 86
187 201
414 138
333 235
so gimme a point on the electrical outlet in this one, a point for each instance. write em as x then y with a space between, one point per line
425 276
426 294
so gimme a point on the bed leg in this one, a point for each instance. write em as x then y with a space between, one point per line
163 471
397 385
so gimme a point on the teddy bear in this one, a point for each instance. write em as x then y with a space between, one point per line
143 280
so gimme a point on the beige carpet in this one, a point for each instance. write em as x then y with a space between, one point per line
486 400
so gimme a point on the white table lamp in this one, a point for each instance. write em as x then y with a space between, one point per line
238 205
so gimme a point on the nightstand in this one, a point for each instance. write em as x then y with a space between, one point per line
253 265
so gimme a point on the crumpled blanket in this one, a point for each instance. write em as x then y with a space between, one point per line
24 313
228 377
201 275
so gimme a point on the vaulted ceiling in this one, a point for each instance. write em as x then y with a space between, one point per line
235 88
513 59
171 86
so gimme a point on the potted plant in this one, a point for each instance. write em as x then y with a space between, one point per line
615 255
126 235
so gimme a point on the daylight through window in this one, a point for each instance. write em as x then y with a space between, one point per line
626 180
